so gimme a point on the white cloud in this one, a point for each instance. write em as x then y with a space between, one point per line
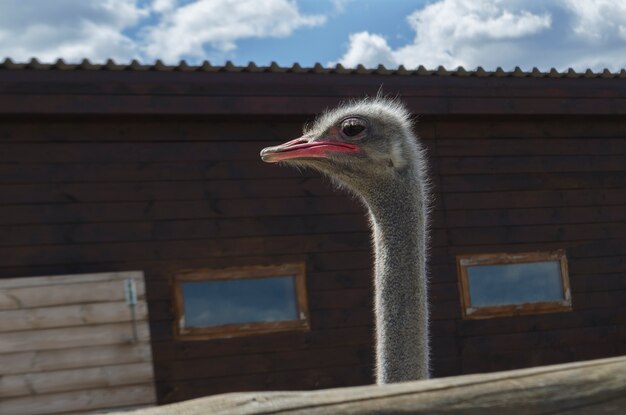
466 20
163 6
598 20
471 33
145 30
340 5
220 23
369 50
46 30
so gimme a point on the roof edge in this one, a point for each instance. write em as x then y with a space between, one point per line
182 66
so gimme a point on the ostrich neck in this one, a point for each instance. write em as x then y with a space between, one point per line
398 217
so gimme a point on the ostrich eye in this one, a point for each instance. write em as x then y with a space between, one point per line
352 127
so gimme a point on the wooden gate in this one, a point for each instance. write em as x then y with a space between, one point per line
74 343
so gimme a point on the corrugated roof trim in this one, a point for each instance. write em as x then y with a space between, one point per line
134 65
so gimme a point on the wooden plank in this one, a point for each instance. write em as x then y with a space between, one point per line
35 296
575 336
469 239
530 164
362 297
584 215
61 234
149 171
228 105
42 104
600 265
289 380
27 193
594 282
75 379
580 317
494 235
297 244
170 129
280 92
263 363
494 147
171 210
125 152
614 299
287 83
529 147
160 269
524 182
536 198
165 351
335 318
71 358
597 386
53 280
136 130
506 360
90 399
52 339
180 230
526 127
72 315
158 172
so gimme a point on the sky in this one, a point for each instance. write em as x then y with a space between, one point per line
561 34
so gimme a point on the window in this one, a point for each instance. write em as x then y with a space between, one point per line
238 301
512 284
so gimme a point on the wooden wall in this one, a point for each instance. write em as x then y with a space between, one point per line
107 170
71 344
516 184
155 195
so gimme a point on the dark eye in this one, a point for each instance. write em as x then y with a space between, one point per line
352 127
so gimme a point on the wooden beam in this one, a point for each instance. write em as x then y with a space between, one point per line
596 386
279 94
71 358
70 315
75 379
89 399
78 336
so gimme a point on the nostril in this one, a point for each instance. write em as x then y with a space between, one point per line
297 141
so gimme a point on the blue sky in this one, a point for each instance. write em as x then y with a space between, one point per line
490 33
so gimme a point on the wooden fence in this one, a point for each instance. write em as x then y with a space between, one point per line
592 387
70 343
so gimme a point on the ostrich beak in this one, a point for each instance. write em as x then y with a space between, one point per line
303 148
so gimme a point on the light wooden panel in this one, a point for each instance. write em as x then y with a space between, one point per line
67 316
67 344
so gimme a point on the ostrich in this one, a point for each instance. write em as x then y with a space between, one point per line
368 148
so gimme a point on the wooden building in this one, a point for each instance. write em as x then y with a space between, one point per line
116 168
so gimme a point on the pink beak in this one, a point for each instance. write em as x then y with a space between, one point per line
302 148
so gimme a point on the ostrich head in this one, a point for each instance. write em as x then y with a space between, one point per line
357 144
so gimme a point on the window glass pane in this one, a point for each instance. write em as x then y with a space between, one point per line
213 303
514 283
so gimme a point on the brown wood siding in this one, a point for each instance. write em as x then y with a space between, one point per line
128 191
227 93
519 184
102 197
